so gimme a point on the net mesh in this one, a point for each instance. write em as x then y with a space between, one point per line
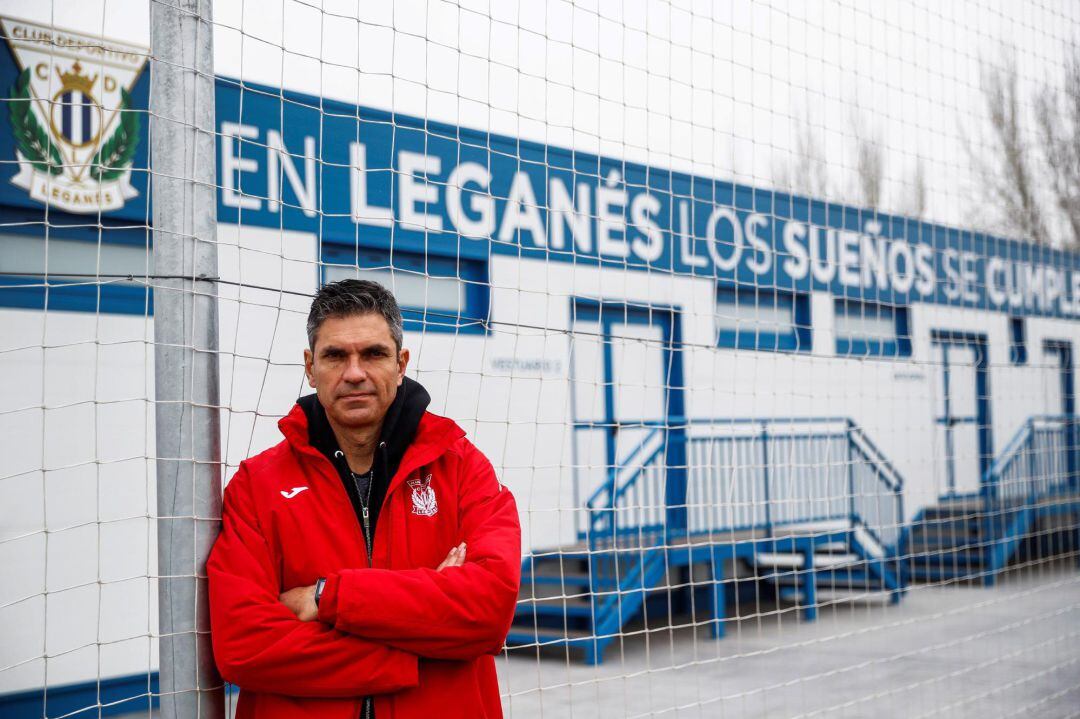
766 313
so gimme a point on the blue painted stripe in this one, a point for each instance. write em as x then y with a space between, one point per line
65 114
86 133
113 696
110 697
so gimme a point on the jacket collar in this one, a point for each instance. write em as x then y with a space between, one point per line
398 428
434 435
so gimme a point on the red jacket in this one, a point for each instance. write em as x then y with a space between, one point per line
421 641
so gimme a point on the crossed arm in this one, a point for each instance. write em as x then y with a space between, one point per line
301 600
372 625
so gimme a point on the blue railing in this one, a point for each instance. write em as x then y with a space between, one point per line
605 518
1039 461
744 474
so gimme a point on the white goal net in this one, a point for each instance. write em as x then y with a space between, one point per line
767 313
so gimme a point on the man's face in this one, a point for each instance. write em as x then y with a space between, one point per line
355 369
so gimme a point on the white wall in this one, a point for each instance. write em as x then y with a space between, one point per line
77 421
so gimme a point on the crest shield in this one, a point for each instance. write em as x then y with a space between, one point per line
71 114
423 497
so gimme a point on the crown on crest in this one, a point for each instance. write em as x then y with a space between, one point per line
75 80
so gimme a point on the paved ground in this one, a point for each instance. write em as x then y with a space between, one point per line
946 651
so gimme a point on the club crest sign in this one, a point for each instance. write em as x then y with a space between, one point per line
423 497
70 113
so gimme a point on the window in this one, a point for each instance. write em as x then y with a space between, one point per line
1017 341
762 319
437 293
870 328
80 275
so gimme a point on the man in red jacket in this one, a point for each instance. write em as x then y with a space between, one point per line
368 565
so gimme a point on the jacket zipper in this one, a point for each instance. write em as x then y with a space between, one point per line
367 709
369 542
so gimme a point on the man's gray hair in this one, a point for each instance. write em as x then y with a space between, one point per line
346 298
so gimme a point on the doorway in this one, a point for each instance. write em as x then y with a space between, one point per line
1061 398
964 441
627 395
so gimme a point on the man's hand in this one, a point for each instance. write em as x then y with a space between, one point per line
455 558
301 602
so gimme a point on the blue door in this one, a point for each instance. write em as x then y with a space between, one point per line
963 438
629 413
1060 353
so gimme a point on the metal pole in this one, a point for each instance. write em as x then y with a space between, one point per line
185 355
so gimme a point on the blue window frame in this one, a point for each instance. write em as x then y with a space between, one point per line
436 292
75 268
872 329
759 318
1017 341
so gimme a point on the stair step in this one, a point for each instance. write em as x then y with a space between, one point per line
965 558
824 580
794 594
544 591
956 509
575 579
561 606
941 529
934 541
939 573
860 575
821 561
547 636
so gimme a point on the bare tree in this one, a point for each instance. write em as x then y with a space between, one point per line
1058 119
915 199
806 172
1007 176
869 164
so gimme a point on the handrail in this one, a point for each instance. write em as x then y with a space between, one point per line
605 501
622 489
613 472
1021 440
896 484
690 422
1011 451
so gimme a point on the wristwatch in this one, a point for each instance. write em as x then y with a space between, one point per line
319 584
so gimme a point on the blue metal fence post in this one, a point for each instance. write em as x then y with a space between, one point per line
675 486
1032 451
808 581
765 478
1071 449
851 472
719 598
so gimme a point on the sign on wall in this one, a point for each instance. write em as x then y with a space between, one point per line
73 121
365 178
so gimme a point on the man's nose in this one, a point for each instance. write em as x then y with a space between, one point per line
354 371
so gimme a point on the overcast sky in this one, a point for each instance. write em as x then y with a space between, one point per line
716 88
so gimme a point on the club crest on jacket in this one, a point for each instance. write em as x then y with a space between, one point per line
423 497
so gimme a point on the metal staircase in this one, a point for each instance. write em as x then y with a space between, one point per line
1033 482
802 505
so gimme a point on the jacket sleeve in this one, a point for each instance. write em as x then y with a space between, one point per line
459 613
260 645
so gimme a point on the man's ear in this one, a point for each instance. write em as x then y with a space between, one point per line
403 363
309 367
